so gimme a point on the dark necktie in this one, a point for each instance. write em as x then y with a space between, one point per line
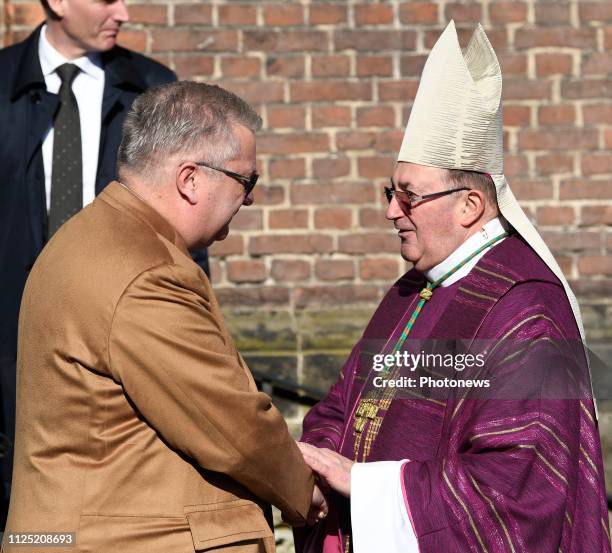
67 168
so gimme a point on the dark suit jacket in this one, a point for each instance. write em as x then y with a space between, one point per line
139 426
26 112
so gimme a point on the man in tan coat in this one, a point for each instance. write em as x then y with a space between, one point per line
139 427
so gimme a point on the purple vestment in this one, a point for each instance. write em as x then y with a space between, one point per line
517 467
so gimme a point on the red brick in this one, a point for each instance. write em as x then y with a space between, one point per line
332 193
330 91
378 116
515 166
283 14
246 271
355 140
298 143
512 64
595 164
256 92
257 296
134 40
412 65
389 141
597 64
290 270
374 66
372 41
330 168
398 91
373 14
236 14
232 245
191 65
563 37
552 13
555 215
327 14
287 66
193 14
523 89
586 88
288 218
290 243
269 195
330 66
418 12
333 218
562 139
331 116
554 164
608 138
532 189
553 64
508 12
192 39
379 269
334 269
557 115
516 116
471 12
335 295
564 241
293 117
595 265
287 168
287 41
596 215
595 11
370 217
30 13
148 14
248 219
608 38
372 242
216 271
238 68
577 189
594 114
375 167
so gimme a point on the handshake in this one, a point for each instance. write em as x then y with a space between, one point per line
332 472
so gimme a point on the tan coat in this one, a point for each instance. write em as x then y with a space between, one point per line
139 426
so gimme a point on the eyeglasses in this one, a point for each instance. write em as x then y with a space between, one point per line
248 182
408 199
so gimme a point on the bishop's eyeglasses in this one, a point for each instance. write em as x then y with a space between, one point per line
248 182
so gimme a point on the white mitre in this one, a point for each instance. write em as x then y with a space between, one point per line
456 123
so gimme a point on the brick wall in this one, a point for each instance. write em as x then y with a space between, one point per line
304 267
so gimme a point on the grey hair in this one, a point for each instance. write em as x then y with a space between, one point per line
474 179
185 116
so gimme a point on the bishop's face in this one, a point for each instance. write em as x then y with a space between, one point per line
429 230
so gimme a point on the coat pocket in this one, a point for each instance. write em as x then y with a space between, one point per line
230 522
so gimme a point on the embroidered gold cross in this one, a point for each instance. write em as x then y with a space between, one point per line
367 409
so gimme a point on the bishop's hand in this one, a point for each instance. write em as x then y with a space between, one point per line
333 469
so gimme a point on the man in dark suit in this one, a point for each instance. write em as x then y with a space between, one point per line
64 94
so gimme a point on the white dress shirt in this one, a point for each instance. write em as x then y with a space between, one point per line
88 88
380 516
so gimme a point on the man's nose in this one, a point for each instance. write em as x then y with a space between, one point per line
120 13
248 200
394 211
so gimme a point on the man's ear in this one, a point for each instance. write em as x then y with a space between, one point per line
188 181
472 208
57 7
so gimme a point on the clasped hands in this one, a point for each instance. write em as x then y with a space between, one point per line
333 472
